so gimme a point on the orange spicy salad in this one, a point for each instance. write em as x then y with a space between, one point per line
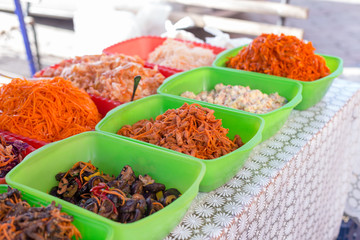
190 129
284 56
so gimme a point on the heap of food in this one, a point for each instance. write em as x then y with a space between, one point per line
10 155
18 220
181 55
190 129
109 76
47 110
284 56
239 97
125 198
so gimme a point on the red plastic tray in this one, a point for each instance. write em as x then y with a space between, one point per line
143 46
33 142
103 104
8 137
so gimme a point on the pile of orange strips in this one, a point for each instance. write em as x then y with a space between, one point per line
284 56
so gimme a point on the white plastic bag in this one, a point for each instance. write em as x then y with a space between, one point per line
172 30
223 40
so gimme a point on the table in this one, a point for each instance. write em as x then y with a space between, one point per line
294 185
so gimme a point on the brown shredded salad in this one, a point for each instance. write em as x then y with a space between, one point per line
284 56
190 129
109 76
18 220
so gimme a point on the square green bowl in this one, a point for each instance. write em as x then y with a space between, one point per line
36 175
89 229
312 92
218 170
205 79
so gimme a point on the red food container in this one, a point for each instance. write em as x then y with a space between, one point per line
10 138
143 46
103 104
32 142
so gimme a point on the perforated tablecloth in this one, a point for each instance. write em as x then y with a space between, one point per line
294 185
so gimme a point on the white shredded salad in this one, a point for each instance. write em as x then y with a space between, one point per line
181 55
239 97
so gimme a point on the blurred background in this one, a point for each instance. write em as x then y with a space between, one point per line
59 29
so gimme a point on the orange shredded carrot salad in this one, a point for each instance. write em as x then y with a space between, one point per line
46 110
284 56
190 129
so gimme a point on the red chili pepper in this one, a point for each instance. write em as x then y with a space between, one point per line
78 182
97 190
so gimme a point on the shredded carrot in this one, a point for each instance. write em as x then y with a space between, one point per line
46 110
285 56
190 129
117 194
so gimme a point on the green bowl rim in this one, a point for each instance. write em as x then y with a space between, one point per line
29 195
289 105
332 75
248 145
73 207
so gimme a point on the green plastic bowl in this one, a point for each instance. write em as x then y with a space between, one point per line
219 170
205 79
36 175
88 228
312 92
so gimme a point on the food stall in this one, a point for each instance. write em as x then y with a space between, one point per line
256 142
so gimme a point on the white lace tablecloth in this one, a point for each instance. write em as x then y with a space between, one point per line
294 185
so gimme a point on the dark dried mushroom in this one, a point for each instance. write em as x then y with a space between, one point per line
149 195
59 176
142 206
154 187
149 206
123 217
95 180
84 188
62 186
137 187
107 209
115 199
129 206
121 185
172 191
138 196
127 175
71 189
137 216
92 205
